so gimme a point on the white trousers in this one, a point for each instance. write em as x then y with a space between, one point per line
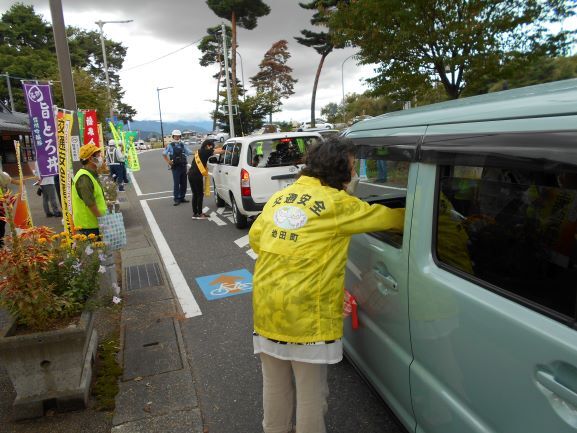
310 381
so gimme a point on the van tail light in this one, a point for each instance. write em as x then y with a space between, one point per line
244 183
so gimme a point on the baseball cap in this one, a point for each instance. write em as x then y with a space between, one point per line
88 150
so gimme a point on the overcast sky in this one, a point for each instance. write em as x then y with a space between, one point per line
161 27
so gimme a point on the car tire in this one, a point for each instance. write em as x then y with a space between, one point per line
240 220
219 201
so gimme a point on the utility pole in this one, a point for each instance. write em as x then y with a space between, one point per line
9 92
230 116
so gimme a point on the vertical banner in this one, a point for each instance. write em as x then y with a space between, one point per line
22 215
43 127
101 135
132 156
91 128
65 120
80 114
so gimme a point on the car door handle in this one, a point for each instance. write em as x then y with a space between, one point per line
226 172
385 281
548 381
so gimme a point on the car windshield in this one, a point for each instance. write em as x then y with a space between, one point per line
279 152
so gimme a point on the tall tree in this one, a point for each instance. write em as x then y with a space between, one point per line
274 81
320 41
415 43
211 48
27 52
243 13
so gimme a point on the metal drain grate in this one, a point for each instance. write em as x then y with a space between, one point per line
141 276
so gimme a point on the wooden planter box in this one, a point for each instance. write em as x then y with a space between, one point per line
51 369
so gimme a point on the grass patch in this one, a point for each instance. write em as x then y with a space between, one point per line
108 373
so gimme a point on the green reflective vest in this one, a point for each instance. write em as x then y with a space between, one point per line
82 215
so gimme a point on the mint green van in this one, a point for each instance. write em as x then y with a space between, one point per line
468 318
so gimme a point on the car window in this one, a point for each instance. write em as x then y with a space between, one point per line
279 152
514 230
384 181
235 154
228 149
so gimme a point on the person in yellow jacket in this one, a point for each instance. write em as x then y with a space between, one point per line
88 201
301 238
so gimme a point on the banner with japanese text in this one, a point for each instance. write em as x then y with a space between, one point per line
22 215
65 121
42 126
80 115
91 128
130 150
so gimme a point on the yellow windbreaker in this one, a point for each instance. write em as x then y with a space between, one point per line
302 238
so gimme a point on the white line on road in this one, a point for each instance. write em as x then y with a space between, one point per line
216 219
158 192
220 210
242 242
252 254
188 304
136 187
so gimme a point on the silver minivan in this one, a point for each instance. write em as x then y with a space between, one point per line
468 318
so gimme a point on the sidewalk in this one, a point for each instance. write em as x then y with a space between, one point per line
156 390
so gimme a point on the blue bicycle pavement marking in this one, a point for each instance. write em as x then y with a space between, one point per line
226 284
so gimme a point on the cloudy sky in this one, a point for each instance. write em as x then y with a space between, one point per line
162 27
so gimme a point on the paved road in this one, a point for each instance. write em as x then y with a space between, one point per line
218 341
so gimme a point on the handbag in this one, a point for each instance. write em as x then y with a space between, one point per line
39 191
112 230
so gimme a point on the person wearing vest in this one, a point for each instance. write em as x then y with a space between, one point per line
5 181
302 237
198 176
175 156
115 162
88 201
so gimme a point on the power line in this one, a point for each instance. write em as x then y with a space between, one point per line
161 57
30 79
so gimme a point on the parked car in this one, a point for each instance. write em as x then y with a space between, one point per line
253 168
219 135
319 123
323 132
467 318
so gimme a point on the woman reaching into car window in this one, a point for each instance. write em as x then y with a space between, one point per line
301 239
198 175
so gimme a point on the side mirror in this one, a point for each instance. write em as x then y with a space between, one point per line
215 159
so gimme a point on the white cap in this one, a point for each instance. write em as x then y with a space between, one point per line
111 142
176 132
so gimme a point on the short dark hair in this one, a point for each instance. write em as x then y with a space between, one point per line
208 142
328 161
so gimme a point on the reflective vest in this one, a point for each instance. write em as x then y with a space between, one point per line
83 216
302 238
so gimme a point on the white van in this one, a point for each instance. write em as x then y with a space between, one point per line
253 168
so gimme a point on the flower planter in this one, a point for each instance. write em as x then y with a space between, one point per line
51 369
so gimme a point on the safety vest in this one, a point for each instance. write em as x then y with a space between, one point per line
83 216
302 238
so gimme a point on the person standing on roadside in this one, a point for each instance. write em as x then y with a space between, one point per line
5 181
115 162
198 175
88 203
50 203
175 156
302 238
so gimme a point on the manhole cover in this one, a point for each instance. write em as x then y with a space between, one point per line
141 276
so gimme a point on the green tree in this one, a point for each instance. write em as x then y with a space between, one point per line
274 81
243 13
211 48
331 112
454 42
320 41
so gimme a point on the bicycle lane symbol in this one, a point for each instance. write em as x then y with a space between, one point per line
224 285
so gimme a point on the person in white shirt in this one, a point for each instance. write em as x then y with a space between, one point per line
115 161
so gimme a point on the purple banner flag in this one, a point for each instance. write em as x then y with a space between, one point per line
43 127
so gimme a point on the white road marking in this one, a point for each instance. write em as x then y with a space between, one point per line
136 187
242 242
216 219
205 209
220 210
184 295
252 254
160 198
158 192
231 219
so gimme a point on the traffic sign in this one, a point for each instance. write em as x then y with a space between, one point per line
226 284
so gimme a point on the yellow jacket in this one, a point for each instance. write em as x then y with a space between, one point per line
302 238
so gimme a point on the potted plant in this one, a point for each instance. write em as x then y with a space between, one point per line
46 283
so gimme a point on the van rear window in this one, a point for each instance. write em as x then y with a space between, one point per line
514 229
279 152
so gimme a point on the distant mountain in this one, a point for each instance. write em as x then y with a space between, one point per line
152 127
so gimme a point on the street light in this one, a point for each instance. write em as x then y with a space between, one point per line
242 74
160 112
343 84
101 24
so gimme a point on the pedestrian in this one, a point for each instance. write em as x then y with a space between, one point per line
302 238
175 156
88 201
50 202
115 161
5 181
198 175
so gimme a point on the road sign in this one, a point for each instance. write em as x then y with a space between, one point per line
226 284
